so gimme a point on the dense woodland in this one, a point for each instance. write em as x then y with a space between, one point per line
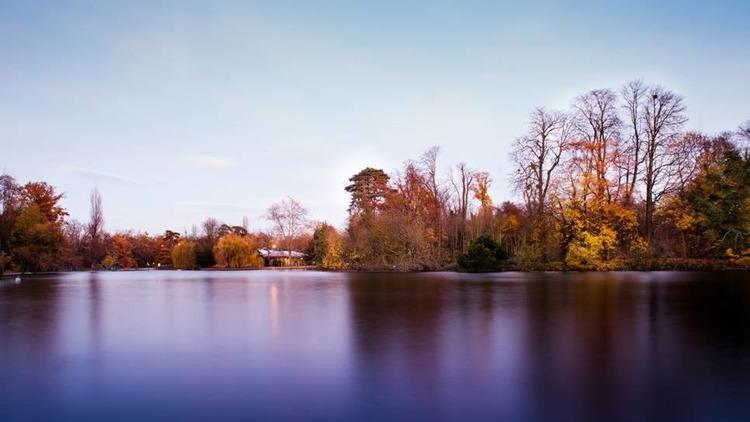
614 182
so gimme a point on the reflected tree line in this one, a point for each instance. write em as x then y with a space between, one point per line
577 348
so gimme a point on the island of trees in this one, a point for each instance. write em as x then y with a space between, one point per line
613 182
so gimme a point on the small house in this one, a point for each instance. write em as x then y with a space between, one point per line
275 258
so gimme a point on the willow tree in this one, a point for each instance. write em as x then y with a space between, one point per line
184 255
235 251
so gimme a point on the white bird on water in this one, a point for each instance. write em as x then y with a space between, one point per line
18 279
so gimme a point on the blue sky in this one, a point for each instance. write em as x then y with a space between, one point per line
177 111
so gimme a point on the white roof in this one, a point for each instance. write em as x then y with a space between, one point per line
270 253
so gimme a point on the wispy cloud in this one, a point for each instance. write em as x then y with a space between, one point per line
101 174
213 206
207 162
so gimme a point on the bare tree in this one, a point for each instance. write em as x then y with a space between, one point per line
211 229
9 207
289 218
634 94
598 129
743 132
438 194
537 156
663 117
688 149
95 228
462 184
428 166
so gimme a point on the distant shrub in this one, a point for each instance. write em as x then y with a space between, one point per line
484 254
109 261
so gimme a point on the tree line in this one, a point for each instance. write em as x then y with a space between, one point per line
612 182
37 235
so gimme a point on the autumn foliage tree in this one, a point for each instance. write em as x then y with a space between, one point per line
621 158
121 251
713 211
235 251
183 255
36 242
326 247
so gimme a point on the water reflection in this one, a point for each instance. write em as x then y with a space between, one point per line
304 345
274 301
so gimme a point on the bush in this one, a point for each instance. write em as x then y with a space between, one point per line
484 254
109 262
588 251
204 254
326 247
183 255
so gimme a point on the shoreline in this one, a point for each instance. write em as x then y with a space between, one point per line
667 266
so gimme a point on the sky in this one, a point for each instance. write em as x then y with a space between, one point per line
179 111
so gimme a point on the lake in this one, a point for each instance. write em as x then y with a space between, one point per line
298 345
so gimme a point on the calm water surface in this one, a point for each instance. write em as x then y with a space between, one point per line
280 345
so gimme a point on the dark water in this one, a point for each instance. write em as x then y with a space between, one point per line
333 346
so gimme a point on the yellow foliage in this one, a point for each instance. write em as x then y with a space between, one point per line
235 251
677 211
109 261
589 250
623 219
638 247
183 255
333 260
